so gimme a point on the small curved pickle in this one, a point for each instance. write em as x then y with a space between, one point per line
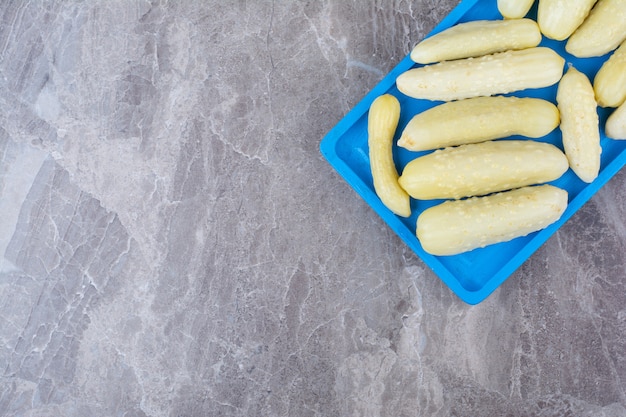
383 117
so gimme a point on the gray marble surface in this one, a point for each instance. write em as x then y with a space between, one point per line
174 244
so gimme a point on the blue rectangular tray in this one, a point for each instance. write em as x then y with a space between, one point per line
476 274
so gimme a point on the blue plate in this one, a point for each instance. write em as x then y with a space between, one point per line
476 274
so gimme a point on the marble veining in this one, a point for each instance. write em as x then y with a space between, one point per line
173 244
